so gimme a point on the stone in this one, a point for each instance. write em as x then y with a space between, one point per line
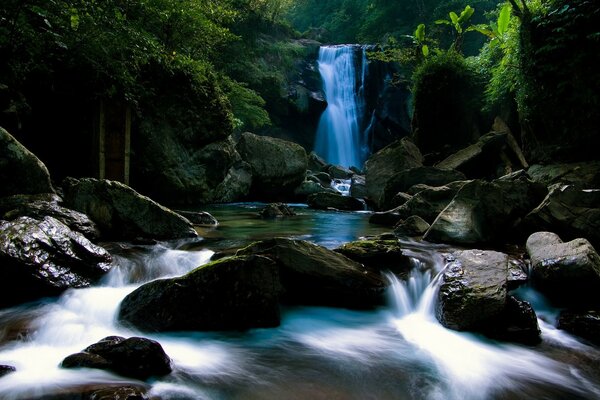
566 271
400 199
339 172
134 357
517 274
6 369
314 275
378 255
406 179
308 188
316 163
411 226
381 166
326 200
21 172
123 214
585 324
358 186
278 166
516 323
99 392
234 293
42 258
582 174
485 212
276 210
198 217
473 289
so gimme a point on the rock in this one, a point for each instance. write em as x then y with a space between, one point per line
570 211
567 271
381 166
339 172
47 204
583 174
585 324
325 200
323 178
135 357
517 323
233 293
278 166
314 275
6 369
316 163
358 186
378 255
517 274
400 199
485 212
473 289
41 258
404 180
276 210
308 188
198 217
411 226
21 172
98 392
123 214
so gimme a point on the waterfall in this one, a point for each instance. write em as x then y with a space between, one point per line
339 132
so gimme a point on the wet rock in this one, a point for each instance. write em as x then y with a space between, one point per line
585 324
98 392
134 357
278 166
473 289
276 210
321 177
568 210
485 212
308 188
339 172
41 258
358 186
47 204
411 226
21 172
314 275
316 163
516 323
517 274
567 271
198 217
233 293
378 255
583 174
400 199
380 167
324 201
6 369
123 214
404 180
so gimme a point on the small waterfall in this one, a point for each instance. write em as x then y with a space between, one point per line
339 134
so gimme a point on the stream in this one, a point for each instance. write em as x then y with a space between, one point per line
399 351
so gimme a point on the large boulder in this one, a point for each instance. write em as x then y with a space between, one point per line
314 275
430 176
310 187
41 258
21 172
486 212
585 324
380 167
234 293
123 214
378 255
358 186
135 357
41 205
326 200
278 166
585 174
566 271
569 210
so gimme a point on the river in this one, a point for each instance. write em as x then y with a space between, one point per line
399 351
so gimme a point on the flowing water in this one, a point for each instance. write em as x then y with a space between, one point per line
339 138
396 352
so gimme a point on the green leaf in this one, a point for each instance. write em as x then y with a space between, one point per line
442 21
465 15
453 17
483 29
420 33
504 19
425 50
74 19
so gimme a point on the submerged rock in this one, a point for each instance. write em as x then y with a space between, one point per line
276 210
135 357
378 255
41 258
122 213
233 293
325 200
21 172
314 275
585 324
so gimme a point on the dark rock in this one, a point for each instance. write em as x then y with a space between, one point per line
378 255
411 226
516 323
358 186
585 324
314 275
583 174
308 188
276 210
232 293
21 172
47 204
517 274
44 257
323 178
135 357
473 289
316 163
417 188
404 180
326 201
567 271
380 167
6 369
123 214
98 392
485 212
400 199
198 217
339 172
568 210
278 166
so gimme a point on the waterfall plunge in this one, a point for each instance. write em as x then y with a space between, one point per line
339 138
